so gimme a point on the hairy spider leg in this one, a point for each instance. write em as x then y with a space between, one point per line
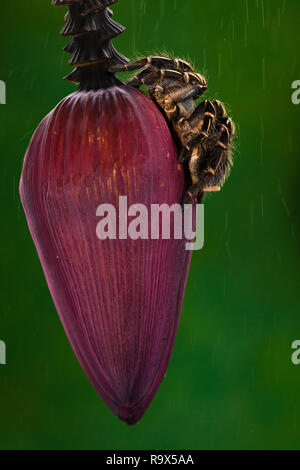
214 156
222 161
200 124
156 61
176 102
130 66
167 62
191 92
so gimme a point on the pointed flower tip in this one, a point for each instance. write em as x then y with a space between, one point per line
130 416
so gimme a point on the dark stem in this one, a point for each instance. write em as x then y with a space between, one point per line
92 27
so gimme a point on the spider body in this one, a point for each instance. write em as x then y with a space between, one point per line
205 132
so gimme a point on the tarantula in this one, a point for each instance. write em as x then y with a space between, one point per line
205 132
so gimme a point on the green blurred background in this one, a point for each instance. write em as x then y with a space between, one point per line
231 383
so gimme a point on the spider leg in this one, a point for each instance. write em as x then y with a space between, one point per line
130 66
148 75
211 160
162 74
207 182
184 155
144 78
195 129
197 191
176 102
209 152
191 92
222 162
191 140
201 123
167 62
156 61
225 131
206 112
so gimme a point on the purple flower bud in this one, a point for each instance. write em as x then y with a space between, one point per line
119 300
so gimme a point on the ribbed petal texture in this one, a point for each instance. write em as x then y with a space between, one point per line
119 300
